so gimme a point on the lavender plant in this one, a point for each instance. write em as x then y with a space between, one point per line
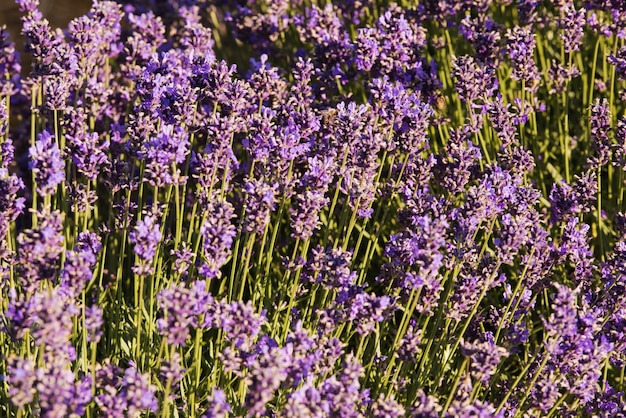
300 209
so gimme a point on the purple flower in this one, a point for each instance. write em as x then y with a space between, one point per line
456 169
343 393
619 61
11 206
619 149
306 402
9 72
426 406
485 36
485 356
218 233
21 379
46 46
52 314
416 255
182 259
164 153
575 249
88 153
572 22
503 121
93 323
393 48
330 268
559 77
566 200
516 232
183 308
387 407
562 322
139 393
46 163
311 196
124 392
195 36
218 405
520 48
40 249
172 372
366 310
78 268
409 344
600 129
241 323
400 109
267 370
260 201
473 80
59 393
325 31
146 236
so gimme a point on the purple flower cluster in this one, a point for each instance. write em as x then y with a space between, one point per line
381 210
146 237
46 164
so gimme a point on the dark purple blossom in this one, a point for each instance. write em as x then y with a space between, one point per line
194 35
366 310
600 124
408 348
183 258
46 46
520 48
485 36
11 205
392 48
566 200
425 406
572 22
455 169
416 255
575 249
343 393
52 313
619 61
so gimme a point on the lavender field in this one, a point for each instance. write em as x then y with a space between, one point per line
314 209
